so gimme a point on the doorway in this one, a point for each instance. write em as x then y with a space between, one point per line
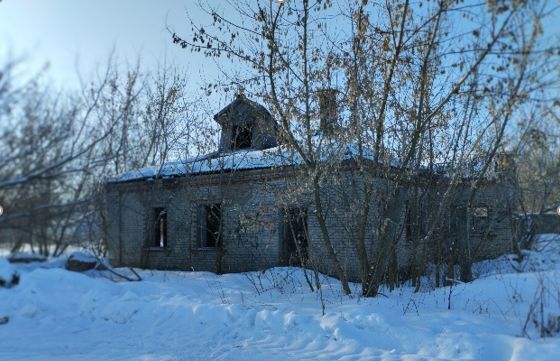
295 236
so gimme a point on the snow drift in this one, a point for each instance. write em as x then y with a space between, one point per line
60 315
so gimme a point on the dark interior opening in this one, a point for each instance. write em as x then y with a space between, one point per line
295 236
212 233
242 136
409 224
160 224
458 221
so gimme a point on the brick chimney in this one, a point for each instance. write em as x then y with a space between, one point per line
504 162
328 110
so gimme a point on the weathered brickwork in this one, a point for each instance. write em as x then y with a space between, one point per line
252 223
247 246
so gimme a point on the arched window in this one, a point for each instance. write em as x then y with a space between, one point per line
160 224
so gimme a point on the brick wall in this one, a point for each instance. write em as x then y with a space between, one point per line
252 221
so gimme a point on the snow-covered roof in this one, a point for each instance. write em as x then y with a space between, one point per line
246 159
279 156
212 163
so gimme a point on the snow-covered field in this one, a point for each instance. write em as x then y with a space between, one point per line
61 315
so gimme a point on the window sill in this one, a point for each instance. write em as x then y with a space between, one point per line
157 249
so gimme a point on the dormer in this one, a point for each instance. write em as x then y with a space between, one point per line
246 125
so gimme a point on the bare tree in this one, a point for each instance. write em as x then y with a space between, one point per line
415 89
62 145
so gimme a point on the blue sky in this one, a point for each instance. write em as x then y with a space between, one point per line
79 35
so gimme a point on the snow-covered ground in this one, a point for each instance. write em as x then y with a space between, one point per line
61 315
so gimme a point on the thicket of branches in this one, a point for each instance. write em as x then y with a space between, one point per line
58 147
418 84
539 161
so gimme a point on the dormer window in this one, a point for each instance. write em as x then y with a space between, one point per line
246 125
241 137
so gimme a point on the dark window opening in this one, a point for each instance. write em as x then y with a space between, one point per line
414 226
210 225
408 224
160 225
458 221
295 234
242 136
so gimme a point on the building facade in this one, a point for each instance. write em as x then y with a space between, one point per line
242 209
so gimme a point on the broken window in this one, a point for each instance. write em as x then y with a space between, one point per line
480 212
295 234
160 217
480 219
242 136
210 225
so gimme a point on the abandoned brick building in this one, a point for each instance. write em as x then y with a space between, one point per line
226 211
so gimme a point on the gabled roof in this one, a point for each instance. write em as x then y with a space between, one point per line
241 108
